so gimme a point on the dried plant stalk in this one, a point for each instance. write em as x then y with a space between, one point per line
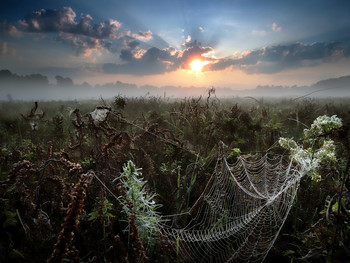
71 221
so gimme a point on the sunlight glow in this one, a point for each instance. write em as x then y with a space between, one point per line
197 65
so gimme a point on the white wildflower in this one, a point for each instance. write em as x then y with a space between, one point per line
322 125
327 152
310 159
287 143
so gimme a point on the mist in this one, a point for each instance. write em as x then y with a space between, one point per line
38 87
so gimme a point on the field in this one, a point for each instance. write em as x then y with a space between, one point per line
65 194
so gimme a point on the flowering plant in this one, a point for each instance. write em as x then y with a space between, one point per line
310 158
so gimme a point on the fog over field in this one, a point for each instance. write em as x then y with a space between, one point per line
38 87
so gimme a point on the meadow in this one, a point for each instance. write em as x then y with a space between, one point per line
65 196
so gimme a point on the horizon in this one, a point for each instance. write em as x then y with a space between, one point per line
228 44
53 81
38 87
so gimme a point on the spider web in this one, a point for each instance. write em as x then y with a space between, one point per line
240 213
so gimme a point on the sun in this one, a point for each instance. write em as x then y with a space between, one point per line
197 65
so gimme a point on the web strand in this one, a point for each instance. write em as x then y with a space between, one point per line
240 213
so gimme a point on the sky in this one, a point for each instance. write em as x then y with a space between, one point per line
240 43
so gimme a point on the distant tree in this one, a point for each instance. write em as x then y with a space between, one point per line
5 74
33 79
9 77
61 81
37 79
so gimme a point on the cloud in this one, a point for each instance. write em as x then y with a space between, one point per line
9 29
273 59
50 20
276 28
190 44
131 44
84 36
126 55
266 60
81 33
155 54
139 53
155 60
144 36
3 49
84 46
107 29
130 50
64 21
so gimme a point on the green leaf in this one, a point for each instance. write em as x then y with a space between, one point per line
335 207
17 252
288 252
93 215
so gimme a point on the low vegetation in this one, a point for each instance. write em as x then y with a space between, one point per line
88 178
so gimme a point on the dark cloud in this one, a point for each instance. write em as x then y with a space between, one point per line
84 36
130 49
50 21
81 33
274 59
152 61
266 60
82 45
64 21
107 29
132 44
126 55
155 54
156 60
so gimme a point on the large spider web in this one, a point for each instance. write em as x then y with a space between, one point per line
240 213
